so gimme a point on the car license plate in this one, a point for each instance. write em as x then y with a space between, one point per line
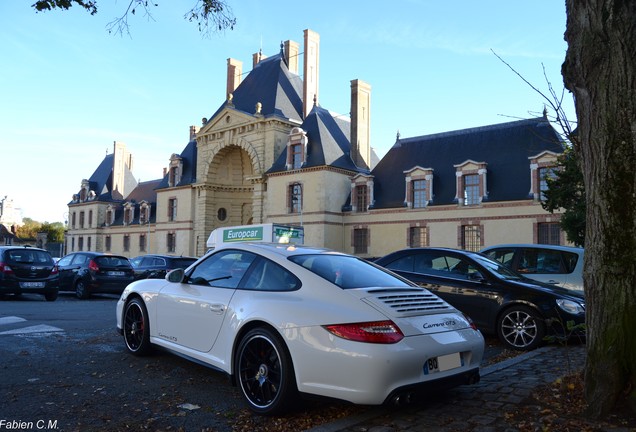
116 273
442 363
31 284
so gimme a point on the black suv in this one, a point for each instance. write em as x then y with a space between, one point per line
156 266
26 269
93 272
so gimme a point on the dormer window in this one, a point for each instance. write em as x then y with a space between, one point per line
110 215
361 193
144 212
296 149
129 213
419 187
84 191
175 170
471 183
542 168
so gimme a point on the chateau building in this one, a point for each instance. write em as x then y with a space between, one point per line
272 153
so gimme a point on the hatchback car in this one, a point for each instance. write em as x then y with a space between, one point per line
28 270
156 266
87 273
284 320
558 265
519 310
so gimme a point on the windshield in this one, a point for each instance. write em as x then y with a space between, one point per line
497 268
348 271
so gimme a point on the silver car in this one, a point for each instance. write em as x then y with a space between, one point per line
557 265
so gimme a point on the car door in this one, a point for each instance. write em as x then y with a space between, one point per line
191 313
545 265
65 271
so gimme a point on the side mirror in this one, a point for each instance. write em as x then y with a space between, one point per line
175 275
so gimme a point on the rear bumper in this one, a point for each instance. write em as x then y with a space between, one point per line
17 287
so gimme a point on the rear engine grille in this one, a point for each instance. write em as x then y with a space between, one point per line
405 302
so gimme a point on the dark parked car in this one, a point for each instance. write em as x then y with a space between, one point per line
519 310
156 266
28 270
93 272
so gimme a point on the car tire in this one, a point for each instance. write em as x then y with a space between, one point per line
136 327
265 372
52 296
81 290
521 328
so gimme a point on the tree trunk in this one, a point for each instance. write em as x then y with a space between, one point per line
600 70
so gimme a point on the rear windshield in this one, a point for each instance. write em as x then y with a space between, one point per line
347 271
112 261
27 256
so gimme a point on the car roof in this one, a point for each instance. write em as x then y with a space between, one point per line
282 249
166 256
535 246
23 248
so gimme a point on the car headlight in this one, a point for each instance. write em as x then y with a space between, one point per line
570 306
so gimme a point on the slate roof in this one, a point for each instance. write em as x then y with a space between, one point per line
504 147
101 181
328 142
189 171
272 84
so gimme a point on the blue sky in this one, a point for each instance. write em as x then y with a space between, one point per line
69 89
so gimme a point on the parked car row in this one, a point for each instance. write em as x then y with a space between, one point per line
25 269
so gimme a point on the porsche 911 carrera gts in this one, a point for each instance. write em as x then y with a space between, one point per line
284 320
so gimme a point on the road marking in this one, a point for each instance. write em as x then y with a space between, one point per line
10 320
41 328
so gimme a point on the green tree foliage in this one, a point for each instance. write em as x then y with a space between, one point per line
567 191
30 229
210 15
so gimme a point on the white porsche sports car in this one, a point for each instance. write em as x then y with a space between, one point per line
283 320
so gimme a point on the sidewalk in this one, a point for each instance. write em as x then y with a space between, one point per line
481 407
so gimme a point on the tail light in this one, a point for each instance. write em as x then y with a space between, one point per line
381 332
5 268
55 270
92 265
470 322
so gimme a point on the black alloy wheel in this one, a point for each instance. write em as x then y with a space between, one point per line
521 328
136 327
265 372
81 290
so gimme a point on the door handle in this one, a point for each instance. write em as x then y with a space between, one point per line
217 308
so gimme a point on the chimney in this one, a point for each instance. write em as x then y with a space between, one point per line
361 123
291 55
193 132
257 58
311 70
234 73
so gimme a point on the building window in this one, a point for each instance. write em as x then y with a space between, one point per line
88 243
172 209
296 151
142 243
471 189
171 242
128 215
295 198
360 240
471 237
90 218
549 233
80 243
109 217
172 181
143 211
107 243
81 219
361 198
126 243
420 196
73 244
221 214
545 175
418 237
73 220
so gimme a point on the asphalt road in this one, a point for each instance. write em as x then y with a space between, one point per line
63 366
